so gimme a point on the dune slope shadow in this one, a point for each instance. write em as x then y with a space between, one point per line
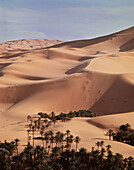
13 55
118 98
86 58
33 77
83 43
78 69
127 46
3 65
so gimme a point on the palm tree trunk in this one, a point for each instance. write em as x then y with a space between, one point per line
43 142
48 150
46 145
52 145
17 151
33 138
27 137
76 146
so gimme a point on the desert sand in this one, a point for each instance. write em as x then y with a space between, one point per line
45 76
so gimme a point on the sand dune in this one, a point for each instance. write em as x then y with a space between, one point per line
26 44
113 121
96 74
99 63
90 134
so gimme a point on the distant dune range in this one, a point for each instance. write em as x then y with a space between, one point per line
42 75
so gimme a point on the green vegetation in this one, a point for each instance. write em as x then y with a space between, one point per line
56 151
80 113
40 123
67 116
124 134
39 158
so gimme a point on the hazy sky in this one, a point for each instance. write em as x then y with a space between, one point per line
63 19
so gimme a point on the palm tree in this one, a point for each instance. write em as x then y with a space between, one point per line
45 121
35 124
46 126
23 158
128 126
130 161
49 147
11 147
30 126
51 133
114 135
68 132
108 147
33 129
28 131
28 118
38 127
42 154
110 132
67 143
41 133
4 159
57 138
36 151
56 151
61 139
43 128
77 140
62 117
109 158
71 138
58 133
102 152
28 151
46 137
54 121
39 119
52 115
40 114
51 141
45 115
125 164
31 120
98 145
123 128
102 144
118 160
131 139
16 144
92 149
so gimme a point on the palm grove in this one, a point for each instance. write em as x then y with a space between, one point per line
56 151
